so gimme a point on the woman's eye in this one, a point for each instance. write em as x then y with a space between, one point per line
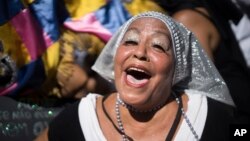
159 47
130 42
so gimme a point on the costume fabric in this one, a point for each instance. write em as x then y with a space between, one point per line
193 69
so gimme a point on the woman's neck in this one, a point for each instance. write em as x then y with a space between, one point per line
147 124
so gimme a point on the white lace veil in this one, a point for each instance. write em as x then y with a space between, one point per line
193 69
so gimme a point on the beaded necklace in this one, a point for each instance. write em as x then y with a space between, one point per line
169 137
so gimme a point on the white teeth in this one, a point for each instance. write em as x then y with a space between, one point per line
136 69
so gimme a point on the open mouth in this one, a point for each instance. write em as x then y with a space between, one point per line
137 76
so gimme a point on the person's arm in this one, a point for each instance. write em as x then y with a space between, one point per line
201 26
43 136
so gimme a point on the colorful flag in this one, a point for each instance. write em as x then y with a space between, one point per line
30 30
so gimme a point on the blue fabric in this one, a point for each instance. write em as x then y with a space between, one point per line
112 15
30 76
44 11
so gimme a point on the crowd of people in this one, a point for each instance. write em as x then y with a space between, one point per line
111 82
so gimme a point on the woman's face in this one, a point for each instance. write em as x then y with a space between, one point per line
144 64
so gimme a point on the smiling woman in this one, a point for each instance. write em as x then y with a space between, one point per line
166 89
139 78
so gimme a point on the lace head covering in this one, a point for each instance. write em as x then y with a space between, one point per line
193 69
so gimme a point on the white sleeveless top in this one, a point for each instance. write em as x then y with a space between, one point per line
196 112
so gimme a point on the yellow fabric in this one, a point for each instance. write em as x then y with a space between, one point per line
25 2
83 41
97 45
79 8
69 42
137 6
13 46
51 61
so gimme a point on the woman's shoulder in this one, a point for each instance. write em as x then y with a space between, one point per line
71 110
217 106
219 118
66 125
69 118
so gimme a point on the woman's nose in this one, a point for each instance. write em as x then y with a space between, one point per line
141 53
